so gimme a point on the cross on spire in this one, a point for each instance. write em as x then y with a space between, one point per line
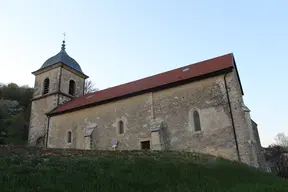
64 35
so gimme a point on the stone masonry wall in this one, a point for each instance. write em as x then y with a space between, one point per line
248 151
63 99
133 112
53 76
174 107
38 119
260 151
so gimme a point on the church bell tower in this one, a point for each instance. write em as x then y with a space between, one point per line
58 80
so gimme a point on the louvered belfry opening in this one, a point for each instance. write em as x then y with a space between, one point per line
46 86
72 87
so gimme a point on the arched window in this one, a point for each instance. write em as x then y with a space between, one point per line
46 86
69 137
196 118
72 87
121 127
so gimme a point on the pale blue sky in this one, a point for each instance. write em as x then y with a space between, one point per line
120 41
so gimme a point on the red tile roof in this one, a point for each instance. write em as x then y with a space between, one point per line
166 78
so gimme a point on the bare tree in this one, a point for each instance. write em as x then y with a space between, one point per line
281 139
89 87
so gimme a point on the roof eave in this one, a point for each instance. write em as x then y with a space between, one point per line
45 69
237 73
254 122
75 71
59 64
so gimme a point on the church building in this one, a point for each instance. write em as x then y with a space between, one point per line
194 108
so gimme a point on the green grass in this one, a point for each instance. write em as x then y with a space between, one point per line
129 171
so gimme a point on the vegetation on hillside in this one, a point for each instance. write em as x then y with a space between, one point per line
276 155
72 170
14 113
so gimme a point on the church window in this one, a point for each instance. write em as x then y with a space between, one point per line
69 138
196 118
121 127
46 86
72 87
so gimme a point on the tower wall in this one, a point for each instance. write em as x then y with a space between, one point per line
58 94
68 75
39 120
53 74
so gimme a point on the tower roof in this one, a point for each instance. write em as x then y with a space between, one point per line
64 58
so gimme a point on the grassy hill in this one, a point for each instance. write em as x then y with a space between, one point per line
23 169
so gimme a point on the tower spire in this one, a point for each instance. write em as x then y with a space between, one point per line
63 46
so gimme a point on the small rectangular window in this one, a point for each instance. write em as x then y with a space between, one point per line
145 145
69 139
121 127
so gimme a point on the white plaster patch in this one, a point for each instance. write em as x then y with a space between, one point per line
88 131
208 102
88 127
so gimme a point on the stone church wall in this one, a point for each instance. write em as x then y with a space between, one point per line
244 131
134 112
174 108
